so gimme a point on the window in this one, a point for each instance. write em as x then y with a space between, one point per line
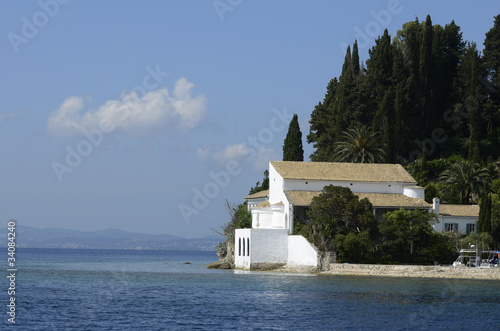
248 246
451 227
471 227
243 247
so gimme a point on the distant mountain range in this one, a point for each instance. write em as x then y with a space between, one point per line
30 237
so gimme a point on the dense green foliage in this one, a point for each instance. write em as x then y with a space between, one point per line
426 99
339 221
407 236
241 218
337 211
426 93
292 147
261 187
468 178
359 145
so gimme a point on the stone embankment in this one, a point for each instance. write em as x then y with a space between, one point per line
411 271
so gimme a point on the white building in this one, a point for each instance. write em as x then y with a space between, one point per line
293 185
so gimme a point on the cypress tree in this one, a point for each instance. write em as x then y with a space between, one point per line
292 147
355 58
484 220
492 54
425 75
321 133
473 105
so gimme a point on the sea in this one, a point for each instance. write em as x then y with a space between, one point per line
76 289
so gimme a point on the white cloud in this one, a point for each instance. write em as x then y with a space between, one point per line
203 153
12 114
241 153
158 109
264 156
232 152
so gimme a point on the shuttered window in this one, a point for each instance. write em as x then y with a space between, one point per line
471 227
451 227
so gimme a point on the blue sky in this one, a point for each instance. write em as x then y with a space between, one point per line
147 116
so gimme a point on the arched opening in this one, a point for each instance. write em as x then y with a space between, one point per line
243 246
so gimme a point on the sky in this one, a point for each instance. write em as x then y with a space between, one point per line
147 116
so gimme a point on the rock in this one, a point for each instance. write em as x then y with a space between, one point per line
187 262
219 265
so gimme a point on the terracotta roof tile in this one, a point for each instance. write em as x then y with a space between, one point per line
459 210
258 195
353 172
384 200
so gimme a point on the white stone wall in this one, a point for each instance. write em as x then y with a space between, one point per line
301 252
461 221
254 202
262 218
261 246
242 249
276 193
414 192
356 187
269 246
278 216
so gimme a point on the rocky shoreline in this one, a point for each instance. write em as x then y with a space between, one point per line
379 270
412 271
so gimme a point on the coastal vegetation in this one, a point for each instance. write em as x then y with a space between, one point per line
292 147
429 100
240 218
424 98
340 222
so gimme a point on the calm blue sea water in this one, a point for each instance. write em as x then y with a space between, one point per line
154 290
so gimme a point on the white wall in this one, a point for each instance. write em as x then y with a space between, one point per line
264 216
414 192
356 187
254 202
461 221
266 246
301 252
276 193
278 216
241 256
269 246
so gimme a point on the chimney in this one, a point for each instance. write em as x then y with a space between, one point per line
435 206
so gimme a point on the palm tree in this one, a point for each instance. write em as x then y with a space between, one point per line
469 178
491 174
359 145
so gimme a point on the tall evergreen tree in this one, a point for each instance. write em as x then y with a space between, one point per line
492 54
473 104
484 221
321 134
355 58
423 80
426 69
292 147
491 59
